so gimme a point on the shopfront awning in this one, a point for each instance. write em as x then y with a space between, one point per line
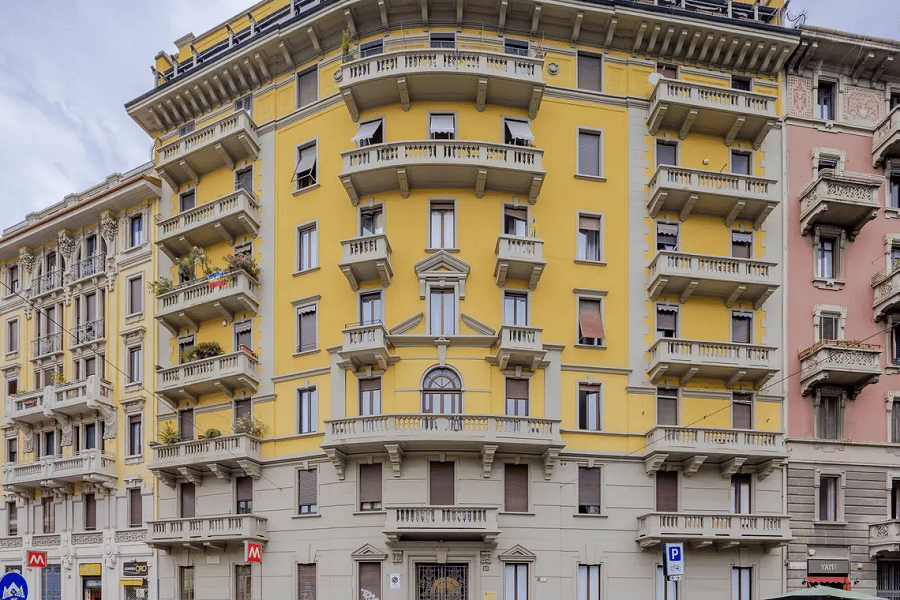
841 582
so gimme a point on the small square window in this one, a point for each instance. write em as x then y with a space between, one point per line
370 308
515 221
667 237
243 336
668 71
517 132
666 153
188 200
667 491
741 244
741 410
740 162
244 103
829 326
243 492
741 83
516 47
186 129
371 221
741 328
369 132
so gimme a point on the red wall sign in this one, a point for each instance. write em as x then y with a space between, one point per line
254 552
37 559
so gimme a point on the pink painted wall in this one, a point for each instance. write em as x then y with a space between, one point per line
864 418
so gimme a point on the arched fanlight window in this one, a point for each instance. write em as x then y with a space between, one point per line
442 392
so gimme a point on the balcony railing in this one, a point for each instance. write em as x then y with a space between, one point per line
839 362
88 465
725 112
733 279
223 373
91 331
366 344
732 197
839 200
884 539
520 258
86 267
215 455
461 74
441 522
70 399
46 283
886 139
705 529
202 299
886 291
366 258
166 533
46 345
682 442
520 346
227 217
712 360
442 164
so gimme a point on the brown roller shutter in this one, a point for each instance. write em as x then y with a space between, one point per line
369 385
589 72
135 507
135 297
589 223
740 329
369 580
589 154
90 511
187 501
589 490
442 483
370 483
590 320
518 213
666 407
306 578
308 487
516 388
186 424
666 491
307 329
515 487
244 488
307 88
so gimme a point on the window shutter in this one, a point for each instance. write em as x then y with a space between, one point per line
666 491
135 507
517 213
740 329
588 490
370 483
308 487
90 511
589 154
665 154
244 488
589 223
306 579
307 328
134 288
590 320
307 88
368 385
369 580
895 422
515 487
741 415
666 407
516 388
589 72
665 319
187 501
442 483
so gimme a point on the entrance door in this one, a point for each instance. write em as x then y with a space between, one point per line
442 582
92 589
51 582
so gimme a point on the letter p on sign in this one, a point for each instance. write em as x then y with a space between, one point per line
254 552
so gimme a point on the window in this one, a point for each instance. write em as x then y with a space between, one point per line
188 200
307 491
590 72
187 583
518 47
443 224
442 126
894 357
369 132
741 83
186 424
135 365
589 154
136 231
242 581
306 582
243 335
307 421
371 48
829 326
666 491
828 165
666 153
12 336
740 583
741 328
829 418
369 580
667 71
516 581
515 221
742 244
740 494
370 487
12 519
894 194
186 500
828 498
517 132
135 295
589 407
245 103
243 495
442 309
307 247
305 172
666 321
307 88
370 309
442 392
306 329
12 386
243 180
667 237
516 397
183 344
741 410
135 437
90 512
825 258
48 512
589 490
442 482
740 163
588 582
588 237
370 396
186 129
135 507
12 449
515 487
895 100
242 408
13 279
515 309
590 322
666 406
443 40
50 448
90 436
825 100
371 221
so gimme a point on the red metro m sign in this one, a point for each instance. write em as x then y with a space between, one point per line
253 552
37 559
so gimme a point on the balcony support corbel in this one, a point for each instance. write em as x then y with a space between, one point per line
688 122
220 471
654 463
224 233
550 456
351 190
705 49
656 119
657 288
762 216
487 459
350 101
314 39
576 27
395 454
261 63
191 322
192 475
403 90
732 466
190 171
287 53
240 75
504 6
735 129
230 81
481 94
480 181
700 544
535 19
769 55
734 295
536 182
727 545
223 310
338 459
767 468
382 10
688 376
735 211
763 297
610 32
688 207
250 468
639 39
403 182
763 132
670 31
755 57
226 158
248 145
717 51
692 464
537 94
688 291
735 377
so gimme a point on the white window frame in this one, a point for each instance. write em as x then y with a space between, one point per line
299 148
841 476
666 590
454 290
504 120
381 121
129 309
131 219
12 342
513 594
841 395
822 152
445 114
578 82
318 511
520 293
300 306
840 237
594 296
742 314
737 575
313 413
314 247
359 299
130 380
830 309
835 99
455 242
600 401
601 171
666 307
374 207
584 593
678 405
600 260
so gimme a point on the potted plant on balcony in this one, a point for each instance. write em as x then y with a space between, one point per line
244 262
200 351
168 435
249 424
187 264
212 433
161 285
345 45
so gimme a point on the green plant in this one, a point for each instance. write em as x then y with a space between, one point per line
200 351
57 378
211 433
345 42
187 264
168 434
163 284
242 261
250 424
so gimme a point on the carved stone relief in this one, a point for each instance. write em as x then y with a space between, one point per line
799 97
862 104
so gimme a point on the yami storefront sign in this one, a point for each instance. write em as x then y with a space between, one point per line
817 566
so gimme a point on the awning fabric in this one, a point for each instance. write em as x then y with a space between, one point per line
742 237
442 124
844 582
520 131
366 131
306 161
666 229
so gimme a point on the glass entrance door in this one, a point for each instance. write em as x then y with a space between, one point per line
442 582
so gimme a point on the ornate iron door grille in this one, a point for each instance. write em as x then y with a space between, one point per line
442 582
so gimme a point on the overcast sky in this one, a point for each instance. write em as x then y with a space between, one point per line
68 66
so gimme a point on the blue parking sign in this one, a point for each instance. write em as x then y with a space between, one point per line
13 587
673 560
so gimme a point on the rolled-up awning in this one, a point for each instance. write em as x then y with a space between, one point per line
442 124
843 582
519 131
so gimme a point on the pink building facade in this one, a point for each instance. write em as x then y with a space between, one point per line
843 290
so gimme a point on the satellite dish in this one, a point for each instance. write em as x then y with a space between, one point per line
654 78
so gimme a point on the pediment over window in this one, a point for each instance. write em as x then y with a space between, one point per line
517 554
368 553
442 268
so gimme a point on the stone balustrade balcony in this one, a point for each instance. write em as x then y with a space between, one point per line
701 530
366 258
68 399
886 139
726 361
839 362
520 346
191 303
520 258
886 291
221 219
61 471
224 373
192 459
366 345
729 449
441 523
201 533
884 538
840 201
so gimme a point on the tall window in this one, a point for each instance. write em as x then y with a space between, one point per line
186 424
135 507
242 408
895 422
135 364
136 230
186 583
307 491
588 238
894 511
829 426
741 244
442 309
48 511
443 224
516 581
306 411
894 185
135 295
590 72
307 338
825 100
666 491
666 153
369 580
740 583
89 502
12 449
515 488
12 519
515 309
243 495
829 326
442 126
307 88
306 582
13 279
370 396
825 254
589 407
516 397
666 406
442 483
370 487
667 237
740 162
242 580
243 180
188 200
243 335
187 500
442 392
135 437
828 498
742 410
740 494
307 248
666 321
588 582
12 335
589 490
371 221
590 322
589 153
741 328
515 221
370 308
305 171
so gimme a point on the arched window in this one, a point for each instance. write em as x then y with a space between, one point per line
442 392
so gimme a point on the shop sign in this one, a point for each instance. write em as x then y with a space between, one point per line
819 566
134 569
89 570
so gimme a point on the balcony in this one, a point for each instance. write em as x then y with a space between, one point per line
193 459
200 300
442 164
731 197
839 362
520 258
86 333
200 533
46 283
222 219
61 471
69 399
725 531
441 523
884 538
367 258
732 363
749 447
886 140
520 347
366 345
732 279
46 345
723 112
442 75
224 373
220 144
88 267
840 201
886 291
